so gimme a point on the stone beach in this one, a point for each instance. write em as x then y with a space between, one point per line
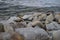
36 26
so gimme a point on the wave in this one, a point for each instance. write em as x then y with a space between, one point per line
12 7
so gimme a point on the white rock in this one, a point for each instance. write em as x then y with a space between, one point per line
49 19
42 17
26 16
12 19
33 33
30 18
53 26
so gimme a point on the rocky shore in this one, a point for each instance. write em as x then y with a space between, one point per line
36 26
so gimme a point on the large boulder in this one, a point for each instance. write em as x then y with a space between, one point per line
12 23
33 33
11 36
35 23
53 26
56 35
49 19
5 36
8 28
39 23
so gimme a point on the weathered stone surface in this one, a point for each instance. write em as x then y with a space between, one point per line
30 18
26 16
29 24
20 25
12 19
39 23
11 36
16 36
35 16
53 26
35 23
5 36
57 16
49 19
42 17
8 28
56 35
31 27
33 33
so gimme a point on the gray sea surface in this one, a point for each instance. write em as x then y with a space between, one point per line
13 7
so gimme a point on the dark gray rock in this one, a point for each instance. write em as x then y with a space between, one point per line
1 27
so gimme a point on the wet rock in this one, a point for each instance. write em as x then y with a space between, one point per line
53 26
33 33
